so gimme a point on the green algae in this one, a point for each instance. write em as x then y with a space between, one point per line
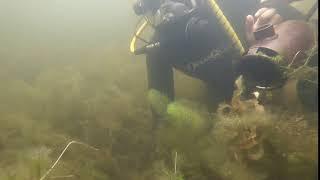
158 101
181 116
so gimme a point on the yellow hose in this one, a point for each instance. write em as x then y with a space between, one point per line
134 39
222 20
226 26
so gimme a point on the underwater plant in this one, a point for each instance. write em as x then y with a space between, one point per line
62 153
158 101
182 116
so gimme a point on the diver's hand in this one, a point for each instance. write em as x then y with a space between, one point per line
262 16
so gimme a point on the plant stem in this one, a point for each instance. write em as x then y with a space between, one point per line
175 163
64 150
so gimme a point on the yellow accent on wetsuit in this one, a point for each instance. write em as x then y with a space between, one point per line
226 26
139 31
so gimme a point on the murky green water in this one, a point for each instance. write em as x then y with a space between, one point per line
67 75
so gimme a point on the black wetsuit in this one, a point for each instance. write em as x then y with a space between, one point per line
197 57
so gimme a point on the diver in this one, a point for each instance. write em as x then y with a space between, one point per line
204 39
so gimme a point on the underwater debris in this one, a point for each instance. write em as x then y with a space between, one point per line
60 156
61 177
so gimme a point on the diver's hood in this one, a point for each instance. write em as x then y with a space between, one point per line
169 12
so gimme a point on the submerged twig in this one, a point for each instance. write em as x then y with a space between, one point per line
294 59
175 163
59 177
64 150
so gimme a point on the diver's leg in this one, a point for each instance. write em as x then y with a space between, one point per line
220 77
160 74
160 78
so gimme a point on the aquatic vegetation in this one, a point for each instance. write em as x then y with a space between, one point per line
256 137
275 59
160 171
40 158
64 102
60 105
60 156
158 101
181 116
242 136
